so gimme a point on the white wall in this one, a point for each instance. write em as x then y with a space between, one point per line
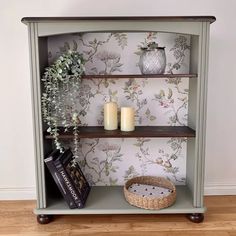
16 145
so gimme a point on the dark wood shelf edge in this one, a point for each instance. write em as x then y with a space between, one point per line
210 19
139 76
140 131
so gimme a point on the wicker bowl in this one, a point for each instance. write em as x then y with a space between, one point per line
150 202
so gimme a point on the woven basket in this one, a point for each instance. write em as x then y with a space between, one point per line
152 203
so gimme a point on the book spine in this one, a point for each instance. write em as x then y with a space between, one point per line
70 186
60 183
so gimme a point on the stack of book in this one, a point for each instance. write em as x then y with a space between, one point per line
68 177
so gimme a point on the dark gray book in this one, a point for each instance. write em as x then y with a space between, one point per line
49 161
73 177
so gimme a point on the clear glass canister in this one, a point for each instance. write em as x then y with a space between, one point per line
153 61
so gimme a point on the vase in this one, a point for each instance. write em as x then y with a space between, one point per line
153 61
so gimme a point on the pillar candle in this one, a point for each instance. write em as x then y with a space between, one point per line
127 119
110 116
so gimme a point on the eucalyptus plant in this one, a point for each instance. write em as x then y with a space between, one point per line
61 81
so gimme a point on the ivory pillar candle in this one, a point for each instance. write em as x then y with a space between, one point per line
127 119
110 116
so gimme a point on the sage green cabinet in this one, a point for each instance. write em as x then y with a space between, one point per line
110 200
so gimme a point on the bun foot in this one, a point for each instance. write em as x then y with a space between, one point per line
44 219
196 217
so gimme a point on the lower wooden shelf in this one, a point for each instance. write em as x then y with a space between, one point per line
110 200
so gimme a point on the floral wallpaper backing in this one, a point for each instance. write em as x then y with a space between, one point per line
156 101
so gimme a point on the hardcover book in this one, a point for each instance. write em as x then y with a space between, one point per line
59 179
73 177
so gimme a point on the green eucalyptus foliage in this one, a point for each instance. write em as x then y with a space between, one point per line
61 81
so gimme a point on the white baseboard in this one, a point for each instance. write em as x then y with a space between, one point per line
219 189
24 193
28 193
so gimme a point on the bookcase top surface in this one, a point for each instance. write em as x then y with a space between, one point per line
210 19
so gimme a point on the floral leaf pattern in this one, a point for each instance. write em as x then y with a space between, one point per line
177 114
111 62
121 39
163 159
130 173
179 49
148 37
156 102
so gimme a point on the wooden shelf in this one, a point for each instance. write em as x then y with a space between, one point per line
140 131
111 200
139 76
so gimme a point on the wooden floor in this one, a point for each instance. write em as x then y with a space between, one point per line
16 218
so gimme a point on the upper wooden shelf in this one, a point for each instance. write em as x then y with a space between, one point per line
139 76
210 19
140 131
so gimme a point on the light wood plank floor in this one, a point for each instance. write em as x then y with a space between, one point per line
16 218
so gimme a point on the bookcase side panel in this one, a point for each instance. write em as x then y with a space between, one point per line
191 168
191 174
36 108
194 43
193 83
201 114
49 184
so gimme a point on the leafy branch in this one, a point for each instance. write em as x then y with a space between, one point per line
179 49
165 160
64 73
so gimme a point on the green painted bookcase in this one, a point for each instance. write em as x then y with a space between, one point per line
110 199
